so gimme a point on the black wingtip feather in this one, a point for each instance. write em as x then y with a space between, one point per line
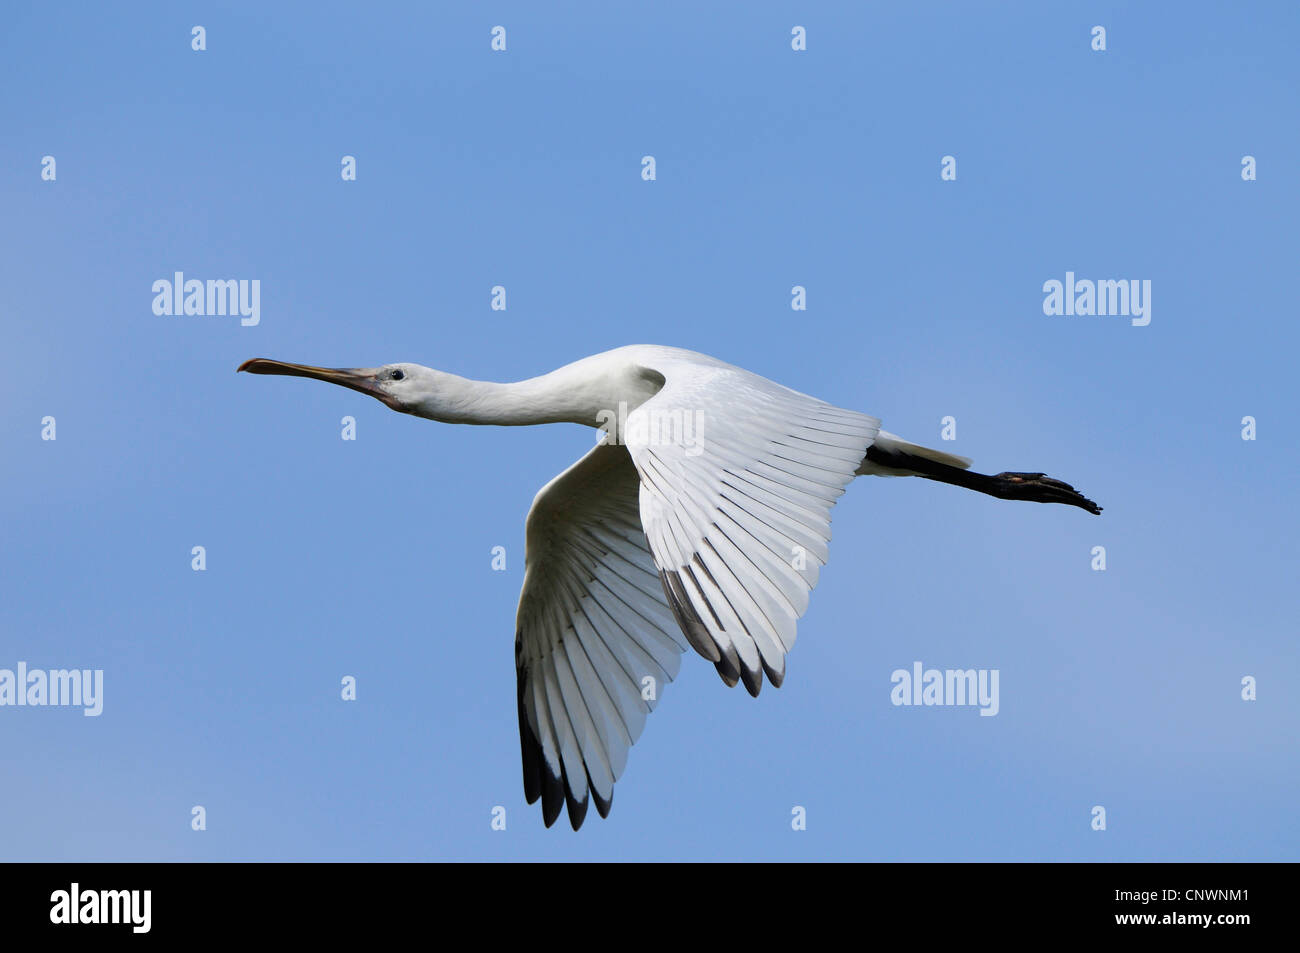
728 670
552 798
529 747
577 809
603 806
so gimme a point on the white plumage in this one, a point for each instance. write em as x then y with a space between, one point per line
702 518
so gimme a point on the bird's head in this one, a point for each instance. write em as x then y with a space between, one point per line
403 387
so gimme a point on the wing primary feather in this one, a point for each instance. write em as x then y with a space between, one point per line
602 804
691 624
773 676
729 667
577 809
552 797
529 746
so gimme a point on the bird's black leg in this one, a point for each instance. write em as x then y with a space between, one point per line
1005 486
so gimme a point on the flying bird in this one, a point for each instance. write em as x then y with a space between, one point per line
701 517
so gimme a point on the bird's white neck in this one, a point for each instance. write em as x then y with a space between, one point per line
569 395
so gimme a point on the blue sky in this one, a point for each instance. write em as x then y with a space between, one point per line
775 168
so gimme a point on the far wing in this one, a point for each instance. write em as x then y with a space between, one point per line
738 476
592 629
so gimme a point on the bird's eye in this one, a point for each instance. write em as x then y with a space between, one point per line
396 376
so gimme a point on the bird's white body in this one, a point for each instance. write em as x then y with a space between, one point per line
701 518
717 533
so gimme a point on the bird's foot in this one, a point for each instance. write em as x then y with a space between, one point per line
1041 488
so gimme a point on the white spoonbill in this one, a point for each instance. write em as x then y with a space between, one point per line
702 512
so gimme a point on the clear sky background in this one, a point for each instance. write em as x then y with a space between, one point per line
821 168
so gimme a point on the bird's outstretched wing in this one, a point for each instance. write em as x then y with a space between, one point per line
738 476
595 640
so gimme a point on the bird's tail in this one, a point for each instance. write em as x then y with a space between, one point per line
891 447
